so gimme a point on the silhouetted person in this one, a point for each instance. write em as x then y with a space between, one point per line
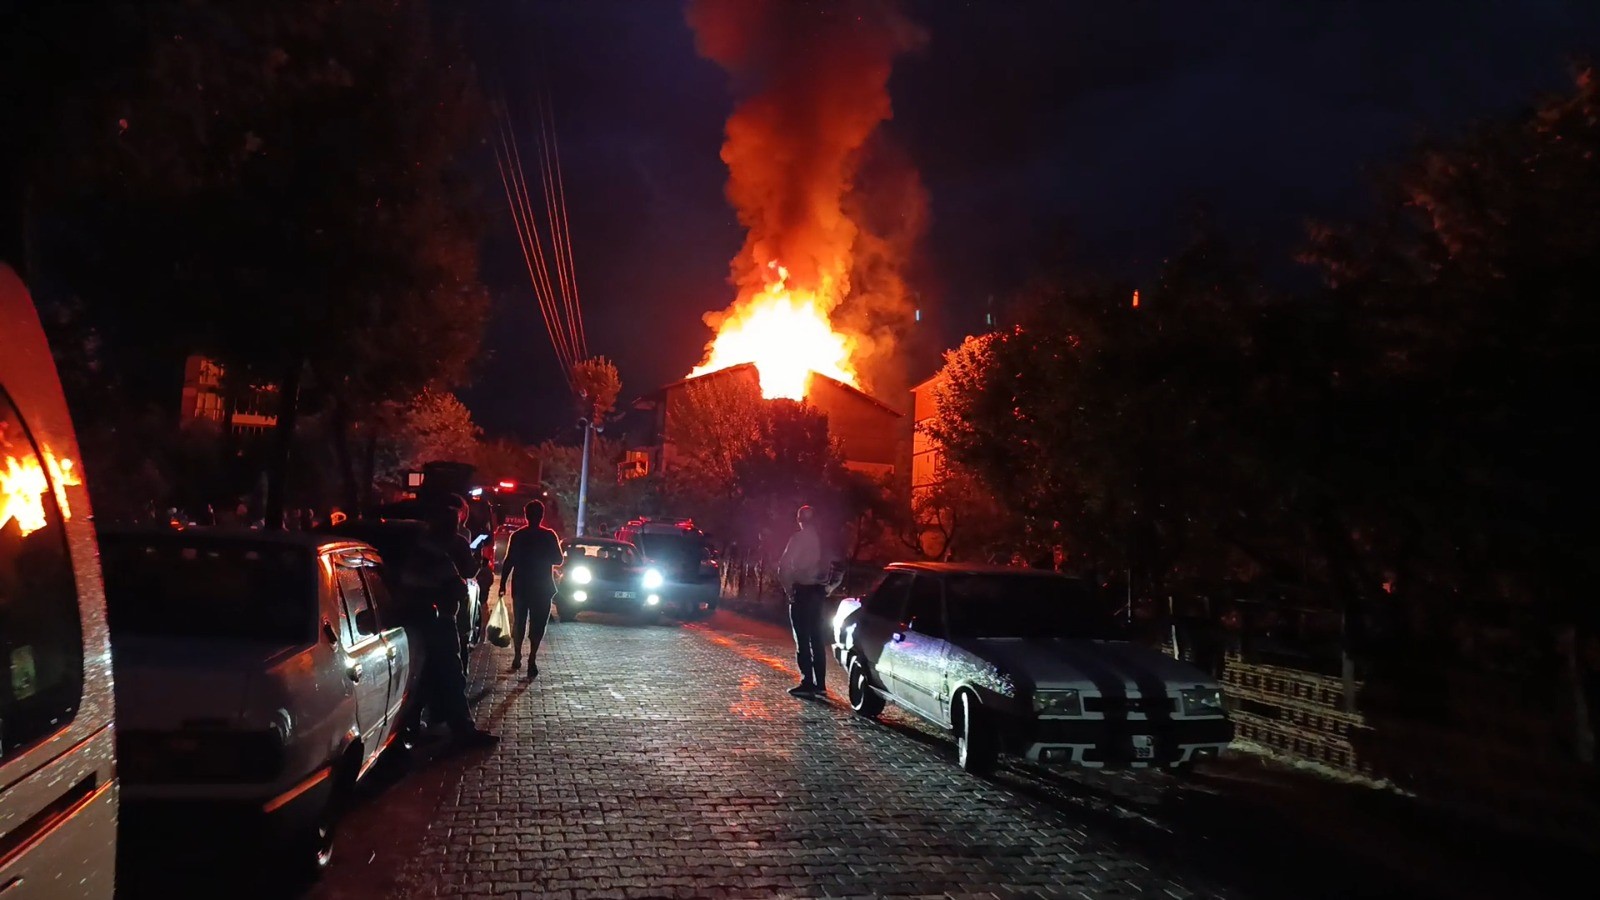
804 574
431 574
531 557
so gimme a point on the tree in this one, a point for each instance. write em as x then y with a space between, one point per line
1473 297
504 459
1127 432
715 424
275 186
610 500
598 385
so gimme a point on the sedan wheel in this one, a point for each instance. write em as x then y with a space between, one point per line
976 749
863 699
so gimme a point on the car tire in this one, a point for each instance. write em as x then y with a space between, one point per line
977 751
313 849
863 699
564 613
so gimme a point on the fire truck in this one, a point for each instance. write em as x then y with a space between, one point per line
507 499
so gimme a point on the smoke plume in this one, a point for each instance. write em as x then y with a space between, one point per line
812 86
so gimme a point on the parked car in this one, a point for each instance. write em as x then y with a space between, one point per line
58 782
257 680
602 575
396 540
686 559
1024 662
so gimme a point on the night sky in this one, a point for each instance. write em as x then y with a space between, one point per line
1098 125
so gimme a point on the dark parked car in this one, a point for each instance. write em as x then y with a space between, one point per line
604 575
690 570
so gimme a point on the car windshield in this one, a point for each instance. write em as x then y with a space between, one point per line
1025 605
607 552
674 549
223 591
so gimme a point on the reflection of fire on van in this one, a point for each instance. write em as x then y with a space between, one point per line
685 556
58 786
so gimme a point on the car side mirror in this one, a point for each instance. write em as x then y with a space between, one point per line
367 621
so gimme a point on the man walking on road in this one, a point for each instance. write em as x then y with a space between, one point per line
532 554
803 573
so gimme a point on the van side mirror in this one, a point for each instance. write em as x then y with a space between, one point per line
329 633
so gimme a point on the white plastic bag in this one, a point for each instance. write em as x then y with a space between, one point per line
500 623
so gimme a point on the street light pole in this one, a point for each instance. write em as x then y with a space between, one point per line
583 477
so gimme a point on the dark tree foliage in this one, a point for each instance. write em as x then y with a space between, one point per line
277 186
1408 444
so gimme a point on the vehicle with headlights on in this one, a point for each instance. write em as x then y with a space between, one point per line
1024 662
256 681
604 575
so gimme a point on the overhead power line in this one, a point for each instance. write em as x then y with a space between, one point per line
556 291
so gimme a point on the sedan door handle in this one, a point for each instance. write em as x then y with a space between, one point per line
355 671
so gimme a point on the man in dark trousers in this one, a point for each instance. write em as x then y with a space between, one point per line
803 572
434 583
531 558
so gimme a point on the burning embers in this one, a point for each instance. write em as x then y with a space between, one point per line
815 290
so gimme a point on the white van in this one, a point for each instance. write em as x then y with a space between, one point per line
58 787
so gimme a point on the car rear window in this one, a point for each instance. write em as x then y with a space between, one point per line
674 549
1027 605
221 591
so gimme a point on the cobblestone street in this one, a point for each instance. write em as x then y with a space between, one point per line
668 761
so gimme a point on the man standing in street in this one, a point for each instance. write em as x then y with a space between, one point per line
435 587
532 555
804 574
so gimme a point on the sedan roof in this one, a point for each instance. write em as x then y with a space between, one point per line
311 541
595 542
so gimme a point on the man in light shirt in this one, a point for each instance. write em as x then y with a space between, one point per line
803 572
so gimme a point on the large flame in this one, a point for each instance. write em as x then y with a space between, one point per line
786 333
23 485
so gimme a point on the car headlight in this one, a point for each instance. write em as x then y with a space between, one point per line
582 575
1203 702
653 579
1058 703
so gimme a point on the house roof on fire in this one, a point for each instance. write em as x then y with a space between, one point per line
660 392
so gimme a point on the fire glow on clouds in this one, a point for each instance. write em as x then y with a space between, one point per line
813 86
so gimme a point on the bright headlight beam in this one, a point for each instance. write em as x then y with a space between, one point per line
582 575
653 579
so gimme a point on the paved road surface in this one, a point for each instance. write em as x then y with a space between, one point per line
668 761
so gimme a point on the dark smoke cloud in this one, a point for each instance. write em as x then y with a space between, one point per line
812 86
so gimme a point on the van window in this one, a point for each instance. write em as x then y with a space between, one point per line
41 638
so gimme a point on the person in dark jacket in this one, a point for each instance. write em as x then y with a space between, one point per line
531 557
431 572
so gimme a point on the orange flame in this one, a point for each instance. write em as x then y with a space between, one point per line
23 485
786 332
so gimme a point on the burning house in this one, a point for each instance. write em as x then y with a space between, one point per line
871 434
